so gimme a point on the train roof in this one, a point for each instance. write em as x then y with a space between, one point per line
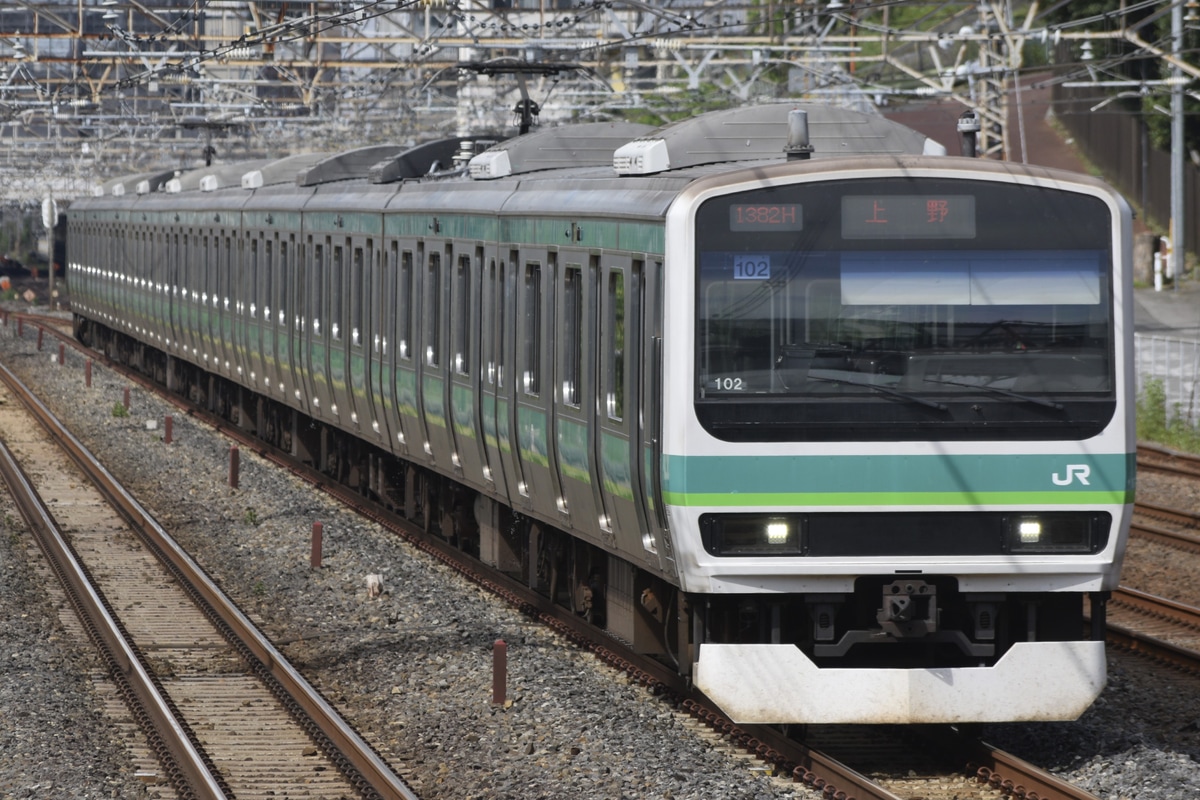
752 133
141 183
562 147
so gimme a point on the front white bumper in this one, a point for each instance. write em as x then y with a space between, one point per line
777 683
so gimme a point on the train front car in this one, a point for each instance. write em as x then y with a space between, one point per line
898 433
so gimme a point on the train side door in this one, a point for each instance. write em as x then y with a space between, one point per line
174 286
316 332
620 452
535 380
267 381
391 300
508 379
465 323
650 421
206 280
339 333
155 283
574 399
362 413
434 356
301 323
493 404
286 313
227 252
251 307
378 308
411 436
189 285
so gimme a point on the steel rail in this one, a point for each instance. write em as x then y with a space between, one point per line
366 769
183 763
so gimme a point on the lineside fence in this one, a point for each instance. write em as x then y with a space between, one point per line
1176 363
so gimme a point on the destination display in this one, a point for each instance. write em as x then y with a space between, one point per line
908 217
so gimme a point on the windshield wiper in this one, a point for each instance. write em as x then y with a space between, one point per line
912 398
1005 392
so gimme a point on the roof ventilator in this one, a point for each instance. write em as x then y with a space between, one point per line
642 157
491 164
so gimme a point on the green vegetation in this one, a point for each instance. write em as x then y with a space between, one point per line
1154 424
119 409
251 518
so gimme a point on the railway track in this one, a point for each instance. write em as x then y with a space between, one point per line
1162 459
884 765
224 712
1157 627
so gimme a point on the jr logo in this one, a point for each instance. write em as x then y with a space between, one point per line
1080 471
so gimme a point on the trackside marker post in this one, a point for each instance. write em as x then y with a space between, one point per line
168 428
234 458
87 373
499 672
314 555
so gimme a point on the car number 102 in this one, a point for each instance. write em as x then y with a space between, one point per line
728 384
751 266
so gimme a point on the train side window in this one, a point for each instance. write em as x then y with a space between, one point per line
356 296
614 347
336 292
388 298
462 316
487 339
175 265
283 286
572 341
432 329
404 301
219 274
227 272
266 279
501 321
531 342
317 287
209 275
253 276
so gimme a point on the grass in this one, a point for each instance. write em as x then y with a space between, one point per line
1154 424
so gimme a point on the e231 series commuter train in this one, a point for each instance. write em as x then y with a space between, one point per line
839 425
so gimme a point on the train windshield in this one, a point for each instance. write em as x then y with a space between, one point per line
904 309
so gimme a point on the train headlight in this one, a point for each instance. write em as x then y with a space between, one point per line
778 533
1055 533
1029 531
751 535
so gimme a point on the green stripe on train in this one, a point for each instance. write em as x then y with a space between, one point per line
898 479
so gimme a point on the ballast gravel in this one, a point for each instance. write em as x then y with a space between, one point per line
412 668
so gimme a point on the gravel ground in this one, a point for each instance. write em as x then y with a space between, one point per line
412 669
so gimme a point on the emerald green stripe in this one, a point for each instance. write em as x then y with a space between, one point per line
869 475
900 499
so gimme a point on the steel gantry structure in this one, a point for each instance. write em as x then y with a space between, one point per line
91 88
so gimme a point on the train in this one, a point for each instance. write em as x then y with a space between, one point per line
837 424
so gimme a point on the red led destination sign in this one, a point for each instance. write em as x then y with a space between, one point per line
908 216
